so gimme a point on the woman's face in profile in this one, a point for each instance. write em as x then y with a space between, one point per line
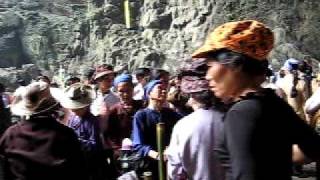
223 80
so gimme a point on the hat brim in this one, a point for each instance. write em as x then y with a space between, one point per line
20 109
99 75
203 51
70 104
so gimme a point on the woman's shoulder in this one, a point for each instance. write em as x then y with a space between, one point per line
248 107
141 113
256 99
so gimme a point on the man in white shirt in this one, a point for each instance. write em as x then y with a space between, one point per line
105 98
142 76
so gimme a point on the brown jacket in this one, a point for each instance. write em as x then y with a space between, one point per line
41 148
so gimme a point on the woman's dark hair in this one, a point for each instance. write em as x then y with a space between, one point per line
249 66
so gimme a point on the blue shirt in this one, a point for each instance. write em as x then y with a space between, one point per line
144 128
87 130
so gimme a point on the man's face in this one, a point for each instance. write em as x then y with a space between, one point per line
159 92
165 80
80 112
125 91
105 82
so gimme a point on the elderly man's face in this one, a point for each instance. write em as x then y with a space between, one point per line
125 91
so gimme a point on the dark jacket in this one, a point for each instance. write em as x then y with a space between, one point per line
41 148
120 122
258 135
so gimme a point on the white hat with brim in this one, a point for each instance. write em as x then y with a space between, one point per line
27 100
77 96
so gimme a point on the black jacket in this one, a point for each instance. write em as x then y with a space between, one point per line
256 142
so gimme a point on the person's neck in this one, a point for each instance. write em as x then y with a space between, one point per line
84 114
197 106
155 105
128 102
245 91
142 83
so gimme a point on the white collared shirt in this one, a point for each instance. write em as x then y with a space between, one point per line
108 99
138 92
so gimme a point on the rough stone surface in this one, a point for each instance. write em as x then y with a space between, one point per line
10 76
80 33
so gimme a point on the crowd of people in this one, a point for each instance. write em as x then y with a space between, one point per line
225 116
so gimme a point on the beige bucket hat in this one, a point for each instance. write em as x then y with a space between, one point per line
77 96
32 99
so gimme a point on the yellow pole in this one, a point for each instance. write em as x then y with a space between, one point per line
127 14
160 148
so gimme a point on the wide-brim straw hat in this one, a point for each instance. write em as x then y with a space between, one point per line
32 99
77 96
248 37
101 71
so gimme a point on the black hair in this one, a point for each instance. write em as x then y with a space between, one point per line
2 88
43 77
89 73
157 74
205 98
21 82
142 72
249 65
72 80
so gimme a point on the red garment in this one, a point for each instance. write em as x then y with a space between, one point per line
119 125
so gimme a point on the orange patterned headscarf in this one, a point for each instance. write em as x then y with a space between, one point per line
248 37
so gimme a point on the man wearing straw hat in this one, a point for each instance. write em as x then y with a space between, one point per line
104 76
39 147
77 98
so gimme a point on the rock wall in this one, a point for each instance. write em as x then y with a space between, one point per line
75 34
37 31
